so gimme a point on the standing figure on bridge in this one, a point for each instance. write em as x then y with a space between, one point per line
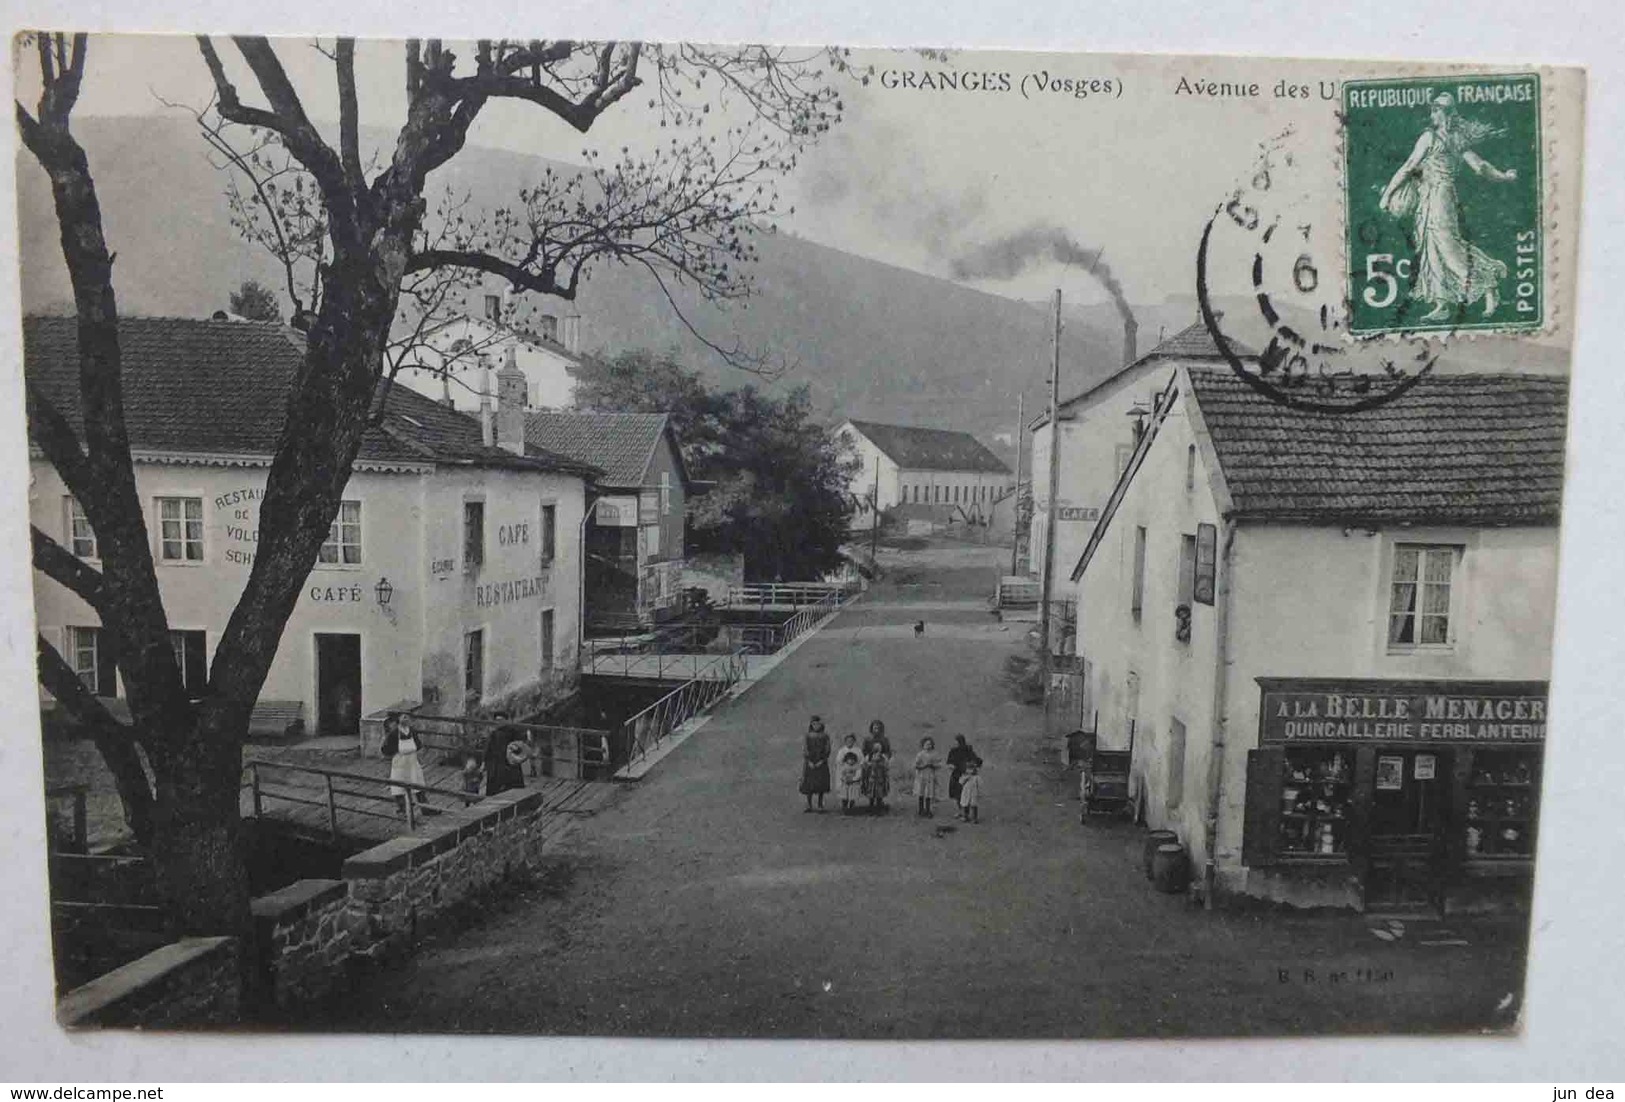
505 752
401 747
815 764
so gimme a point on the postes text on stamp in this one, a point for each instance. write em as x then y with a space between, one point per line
1442 179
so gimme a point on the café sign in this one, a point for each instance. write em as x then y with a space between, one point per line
1299 711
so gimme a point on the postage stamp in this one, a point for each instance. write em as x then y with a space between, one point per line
1443 204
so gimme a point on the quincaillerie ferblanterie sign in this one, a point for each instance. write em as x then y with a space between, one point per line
1401 711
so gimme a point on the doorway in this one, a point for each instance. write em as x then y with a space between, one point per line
338 685
1409 815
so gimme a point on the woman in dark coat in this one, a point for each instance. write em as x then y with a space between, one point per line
505 754
958 758
815 763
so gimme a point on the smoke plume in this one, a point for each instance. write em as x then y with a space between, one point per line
1009 256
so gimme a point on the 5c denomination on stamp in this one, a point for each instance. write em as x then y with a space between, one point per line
1442 179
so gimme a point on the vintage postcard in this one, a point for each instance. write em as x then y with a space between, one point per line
668 540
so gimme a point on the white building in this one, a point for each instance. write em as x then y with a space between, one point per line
459 357
452 576
1327 638
939 474
1098 429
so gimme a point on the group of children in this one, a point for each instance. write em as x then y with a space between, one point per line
863 773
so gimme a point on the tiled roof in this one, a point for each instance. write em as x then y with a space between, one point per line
1193 342
620 444
1455 449
221 388
916 449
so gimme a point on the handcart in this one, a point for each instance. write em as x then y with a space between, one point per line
1105 785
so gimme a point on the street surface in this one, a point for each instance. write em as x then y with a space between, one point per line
705 902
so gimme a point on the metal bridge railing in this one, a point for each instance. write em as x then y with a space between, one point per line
572 752
338 792
643 732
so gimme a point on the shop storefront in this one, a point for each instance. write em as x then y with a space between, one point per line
1412 795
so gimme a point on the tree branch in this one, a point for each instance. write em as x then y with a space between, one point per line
66 569
112 739
349 126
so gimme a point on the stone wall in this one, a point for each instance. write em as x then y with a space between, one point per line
312 935
193 982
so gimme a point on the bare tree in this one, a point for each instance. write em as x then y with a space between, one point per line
685 214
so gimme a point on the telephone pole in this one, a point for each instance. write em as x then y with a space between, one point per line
874 529
1044 618
1015 506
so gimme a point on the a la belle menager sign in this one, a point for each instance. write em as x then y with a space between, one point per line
1295 710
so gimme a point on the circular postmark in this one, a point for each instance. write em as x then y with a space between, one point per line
1269 291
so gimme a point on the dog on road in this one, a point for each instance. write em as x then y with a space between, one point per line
919 628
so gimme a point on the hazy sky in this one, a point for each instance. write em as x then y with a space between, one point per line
912 176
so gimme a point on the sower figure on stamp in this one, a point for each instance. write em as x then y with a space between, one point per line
1451 272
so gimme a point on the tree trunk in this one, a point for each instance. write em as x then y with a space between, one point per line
197 852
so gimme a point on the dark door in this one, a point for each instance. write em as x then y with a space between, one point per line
338 685
1409 812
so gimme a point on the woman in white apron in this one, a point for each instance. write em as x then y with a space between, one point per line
404 766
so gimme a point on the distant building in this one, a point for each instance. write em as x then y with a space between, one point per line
1327 638
450 577
457 359
636 533
930 474
1098 429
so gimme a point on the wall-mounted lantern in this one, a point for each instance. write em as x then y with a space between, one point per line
383 591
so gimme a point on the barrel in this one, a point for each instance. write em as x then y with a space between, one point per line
1170 870
1153 841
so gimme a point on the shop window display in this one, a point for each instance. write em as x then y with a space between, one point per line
1501 804
1315 802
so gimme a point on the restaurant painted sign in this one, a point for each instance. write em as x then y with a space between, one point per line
616 512
1297 710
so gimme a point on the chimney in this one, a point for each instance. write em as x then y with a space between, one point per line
511 387
1131 336
487 430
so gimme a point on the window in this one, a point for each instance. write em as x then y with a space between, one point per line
1187 586
1125 452
1501 803
1315 801
190 657
1190 468
550 528
916 493
493 307
547 640
343 546
81 540
665 493
180 529
651 540
1139 573
92 660
473 666
473 535
1176 763
1419 612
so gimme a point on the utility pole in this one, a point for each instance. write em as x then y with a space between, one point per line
1044 619
874 529
1015 506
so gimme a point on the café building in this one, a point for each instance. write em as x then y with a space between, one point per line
450 579
1326 638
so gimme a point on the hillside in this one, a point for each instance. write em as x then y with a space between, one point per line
870 340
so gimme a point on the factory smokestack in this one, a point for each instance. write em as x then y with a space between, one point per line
1131 335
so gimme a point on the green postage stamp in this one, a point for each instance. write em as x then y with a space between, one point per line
1443 204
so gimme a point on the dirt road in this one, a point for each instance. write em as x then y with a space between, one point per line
705 902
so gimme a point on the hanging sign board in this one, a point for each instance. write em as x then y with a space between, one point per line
1076 512
616 512
1426 764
